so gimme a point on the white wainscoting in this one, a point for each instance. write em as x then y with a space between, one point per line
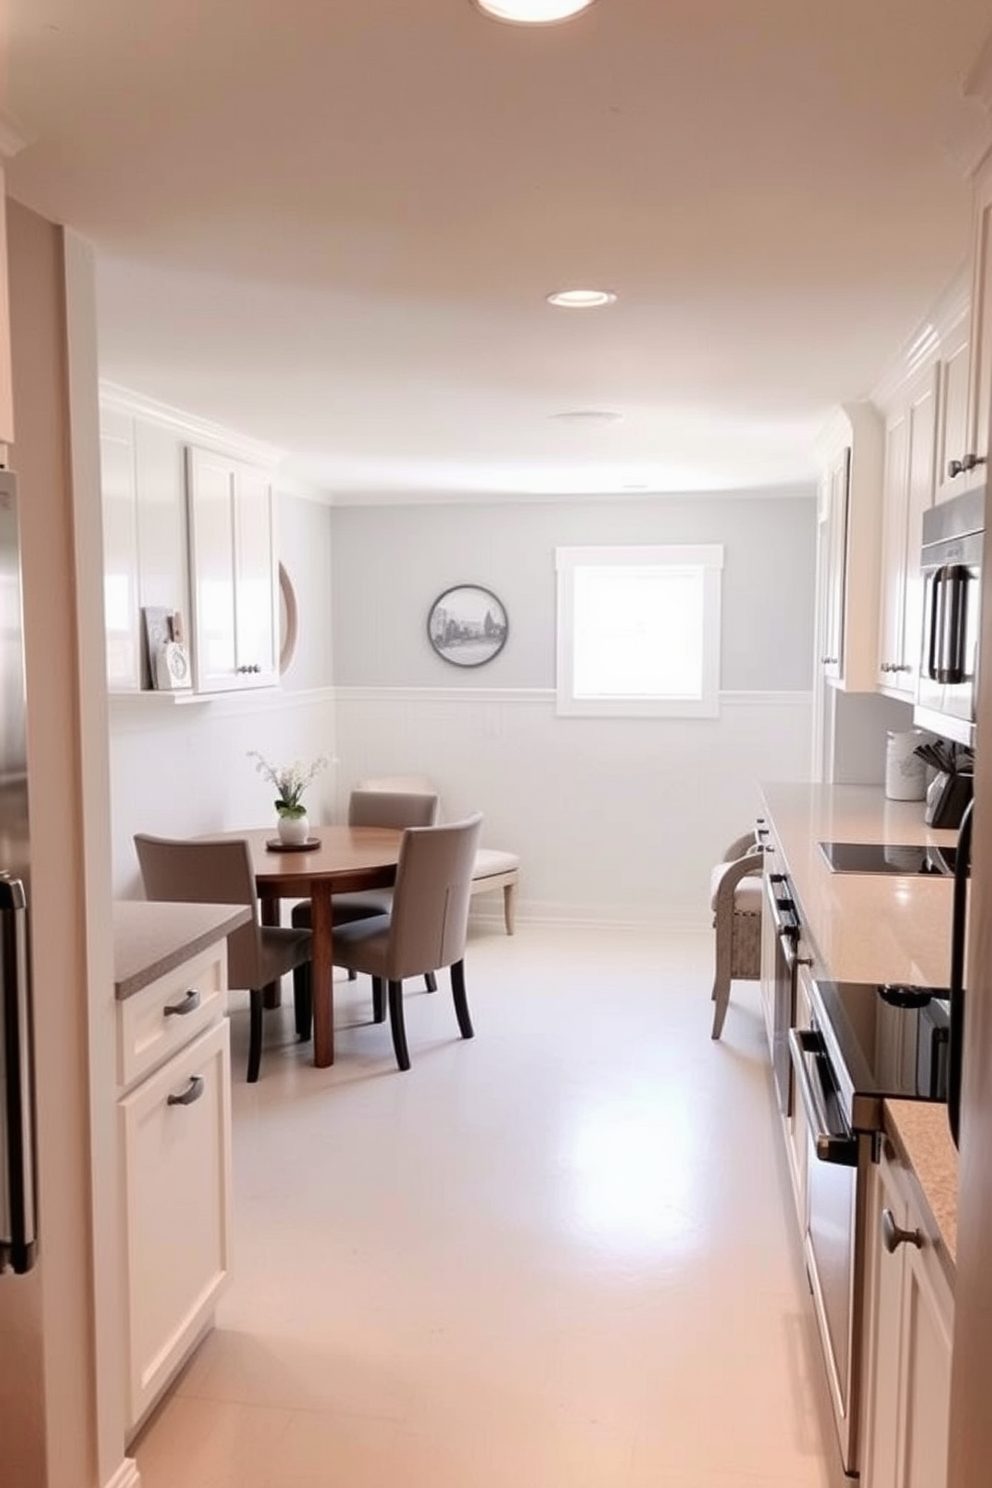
181 769
615 820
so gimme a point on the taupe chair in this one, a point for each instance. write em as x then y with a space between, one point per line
494 867
370 807
736 900
204 872
425 929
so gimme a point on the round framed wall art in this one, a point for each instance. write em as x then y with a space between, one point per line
467 625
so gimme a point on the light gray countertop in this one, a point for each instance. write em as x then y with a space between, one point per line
866 927
922 1136
152 939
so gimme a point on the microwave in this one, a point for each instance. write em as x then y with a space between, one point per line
951 568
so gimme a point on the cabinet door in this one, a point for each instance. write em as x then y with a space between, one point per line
255 587
120 552
883 1333
834 569
232 560
910 1327
926 1350
919 498
980 360
895 500
952 411
176 1141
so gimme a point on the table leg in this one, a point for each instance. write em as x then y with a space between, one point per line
322 920
270 914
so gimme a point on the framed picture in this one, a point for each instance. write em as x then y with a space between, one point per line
467 625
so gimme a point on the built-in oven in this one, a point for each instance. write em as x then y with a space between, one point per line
951 565
864 1042
781 907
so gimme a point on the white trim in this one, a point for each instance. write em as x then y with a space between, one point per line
703 560
196 430
541 696
925 345
126 1476
550 912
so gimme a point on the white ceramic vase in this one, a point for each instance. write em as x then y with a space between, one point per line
294 830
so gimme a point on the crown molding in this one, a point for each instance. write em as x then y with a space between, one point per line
190 426
925 345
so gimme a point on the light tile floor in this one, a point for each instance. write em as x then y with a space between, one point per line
558 1256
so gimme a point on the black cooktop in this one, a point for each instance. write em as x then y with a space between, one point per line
884 1040
875 857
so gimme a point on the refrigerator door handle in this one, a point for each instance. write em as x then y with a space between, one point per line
18 1232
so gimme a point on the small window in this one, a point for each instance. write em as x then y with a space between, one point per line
639 631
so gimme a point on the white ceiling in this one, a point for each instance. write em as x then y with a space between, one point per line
331 224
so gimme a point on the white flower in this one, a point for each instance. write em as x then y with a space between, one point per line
289 780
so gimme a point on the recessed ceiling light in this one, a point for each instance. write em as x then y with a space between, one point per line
581 299
533 12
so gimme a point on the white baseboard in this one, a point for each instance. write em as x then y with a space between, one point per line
534 912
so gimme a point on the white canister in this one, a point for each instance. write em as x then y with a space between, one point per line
905 772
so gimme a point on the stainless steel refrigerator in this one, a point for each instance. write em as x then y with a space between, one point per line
18 1229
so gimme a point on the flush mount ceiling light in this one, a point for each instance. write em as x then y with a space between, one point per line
532 12
589 416
581 299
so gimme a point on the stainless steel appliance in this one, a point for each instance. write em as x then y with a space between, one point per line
865 1042
951 564
876 857
18 1236
781 906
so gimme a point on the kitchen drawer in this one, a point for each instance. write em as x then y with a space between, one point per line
157 1021
176 1144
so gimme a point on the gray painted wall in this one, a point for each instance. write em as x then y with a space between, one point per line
390 563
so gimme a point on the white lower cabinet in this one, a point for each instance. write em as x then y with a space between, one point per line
907 1383
175 1131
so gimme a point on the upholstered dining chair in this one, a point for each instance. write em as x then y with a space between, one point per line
204 872
735 898
426 928
494 868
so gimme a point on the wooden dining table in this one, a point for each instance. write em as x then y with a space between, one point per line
345 859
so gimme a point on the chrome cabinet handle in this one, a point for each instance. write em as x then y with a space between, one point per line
893 1236
961 467
828 1146
189 1004
190 1095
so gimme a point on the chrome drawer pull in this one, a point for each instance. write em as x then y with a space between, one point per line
893 1236
191 1094
189 1004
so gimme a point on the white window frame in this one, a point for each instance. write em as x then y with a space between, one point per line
708 559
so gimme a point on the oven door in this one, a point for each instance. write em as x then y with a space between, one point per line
837 1171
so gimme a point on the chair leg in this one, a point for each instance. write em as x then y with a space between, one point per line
303 1000
460 1000
255 1034
430 981
378 1000
396 1025
509 906
721 997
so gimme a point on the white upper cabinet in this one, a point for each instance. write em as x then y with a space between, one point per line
908 486
964 443
849 540
952 409
233 571
187 531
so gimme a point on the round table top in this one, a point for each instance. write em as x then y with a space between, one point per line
343 853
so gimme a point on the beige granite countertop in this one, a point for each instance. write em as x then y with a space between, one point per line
866 927
920 1132
152 939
